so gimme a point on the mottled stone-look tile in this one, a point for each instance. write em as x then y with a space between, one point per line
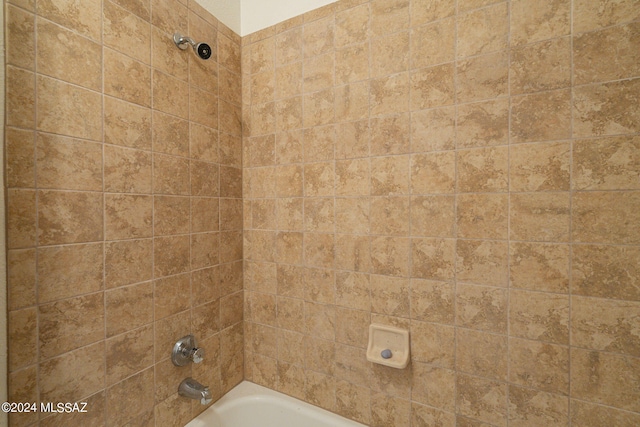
432 343
539 316
605 217
68 110
126 124
57 281
482 307
432 301
20 38
389 95
389 410
126 32
352 25
171 255
352 215
390 135
128 308
433 173
21 98
390 54
480 353
74 375
317 75
433 258
592 415
432 87
127 262
530 408
23 333
540 216
433 130
606 109
171 295
122 364
390 256
21 218
126 78
69 164
353 253
288 81
482 399
23 387
318 37
543 20
170 135
483 77
605 378
483 123
424 11
65 55
541 66
390 295
607 164
540 167
434 43
127 170
69 217
433 216
593 15
128 216
170 175
353 402
319 214
609 54
85 20
169 15
606 271
541 117
352 330
69 324
319 179
482 216
20 155
21 278
389 16
482 262
352 102
539 267
539 365
352 63
319 250
169 213
426 416
168 95
482 170
607 325
141 8
433 386
483 31
390 175
132 400
320 390
319 108
288 46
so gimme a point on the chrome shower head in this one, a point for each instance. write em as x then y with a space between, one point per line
202 49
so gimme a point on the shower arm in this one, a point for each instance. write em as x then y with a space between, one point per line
181 41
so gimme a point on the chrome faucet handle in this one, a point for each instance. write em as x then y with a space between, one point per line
197 355
186 350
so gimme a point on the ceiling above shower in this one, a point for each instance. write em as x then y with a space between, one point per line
248 16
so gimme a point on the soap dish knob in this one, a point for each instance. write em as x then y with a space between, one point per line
386 354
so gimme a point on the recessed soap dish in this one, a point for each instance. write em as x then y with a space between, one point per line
388 346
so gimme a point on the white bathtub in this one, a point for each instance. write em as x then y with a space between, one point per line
251 405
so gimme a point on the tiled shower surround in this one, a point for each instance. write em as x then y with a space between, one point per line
469 170
124 208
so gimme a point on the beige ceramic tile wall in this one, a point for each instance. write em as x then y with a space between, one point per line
124 207
468 170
